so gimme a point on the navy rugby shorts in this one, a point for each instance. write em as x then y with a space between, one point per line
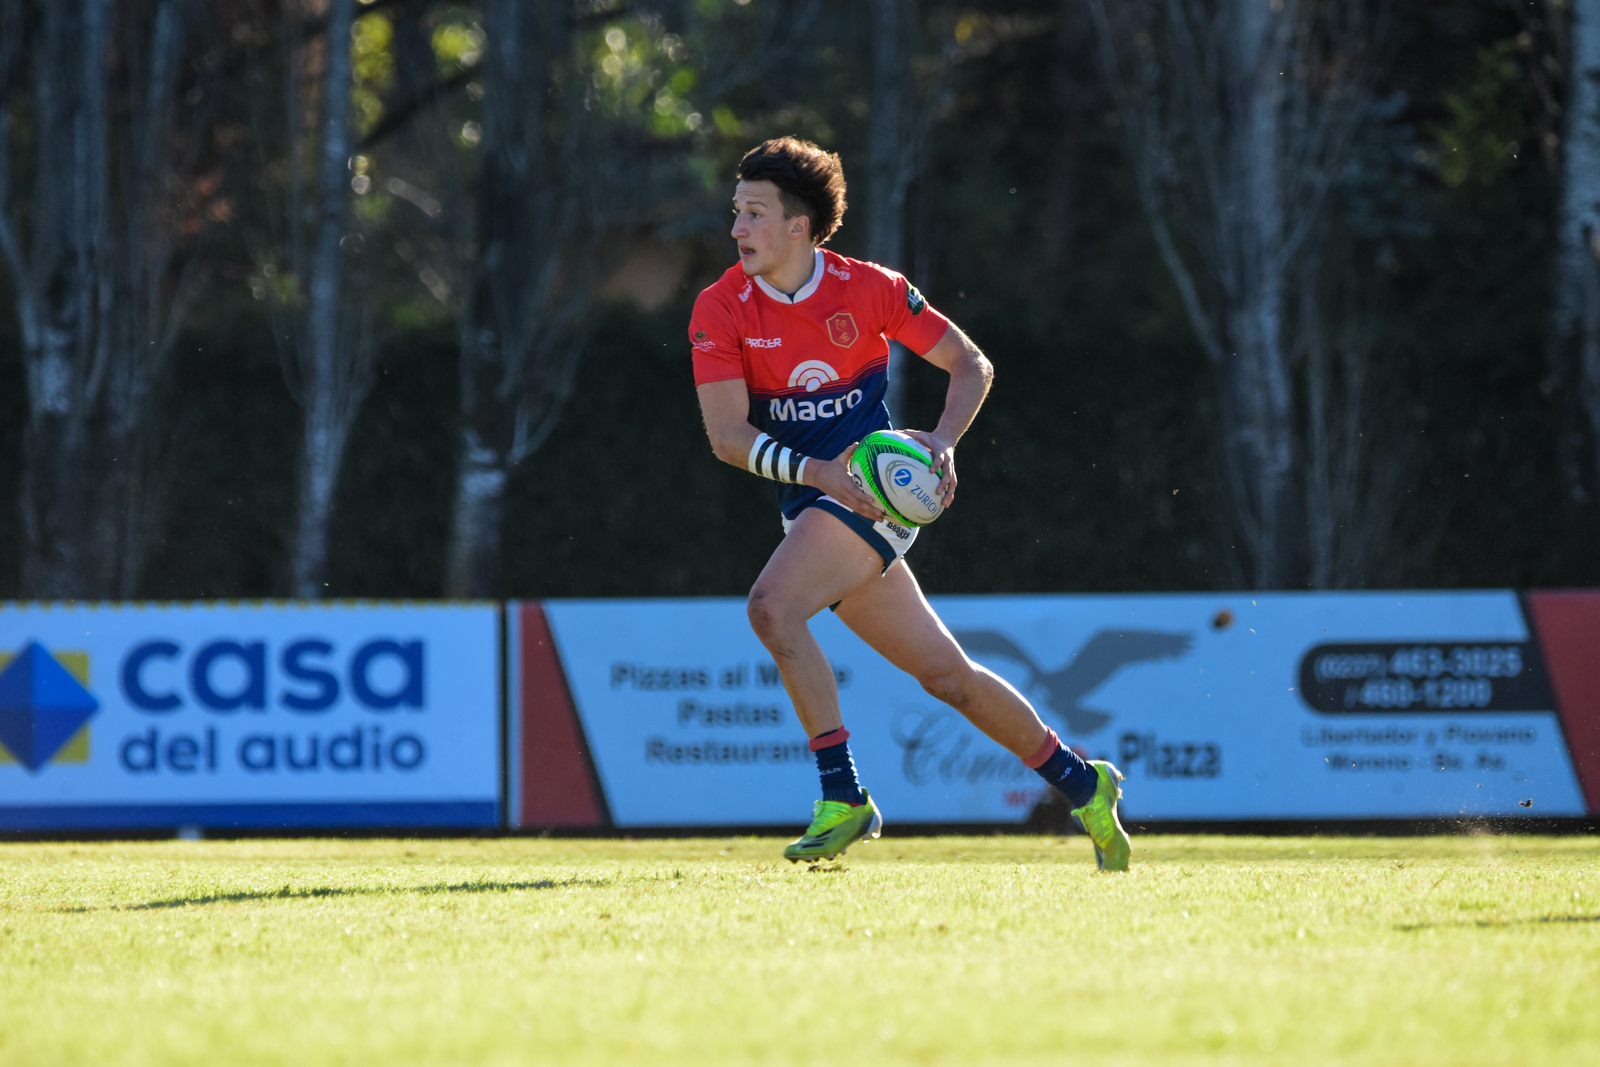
889 539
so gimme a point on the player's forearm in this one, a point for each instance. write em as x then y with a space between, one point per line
732 444
749 449
725 409
970 376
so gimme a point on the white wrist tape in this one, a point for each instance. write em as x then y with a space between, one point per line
771 460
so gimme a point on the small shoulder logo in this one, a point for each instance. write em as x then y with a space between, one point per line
842 275
915 300
842 329
45 706
699 335
744 294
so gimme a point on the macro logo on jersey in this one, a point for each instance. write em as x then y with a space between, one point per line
805 411
842 329
45 706
813 374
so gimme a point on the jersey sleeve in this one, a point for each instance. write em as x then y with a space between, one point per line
909 318
714 336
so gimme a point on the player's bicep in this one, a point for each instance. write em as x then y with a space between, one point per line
950 348
724 404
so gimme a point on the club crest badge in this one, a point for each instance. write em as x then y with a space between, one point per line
842 330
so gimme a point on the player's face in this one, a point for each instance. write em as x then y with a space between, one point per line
766 239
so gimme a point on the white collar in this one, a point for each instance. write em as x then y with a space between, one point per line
804 291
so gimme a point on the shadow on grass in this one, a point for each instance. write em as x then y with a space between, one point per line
1491 923
315 892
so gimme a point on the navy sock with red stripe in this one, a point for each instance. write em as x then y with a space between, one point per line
1064 769
837 769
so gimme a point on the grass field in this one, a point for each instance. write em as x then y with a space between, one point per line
1451 950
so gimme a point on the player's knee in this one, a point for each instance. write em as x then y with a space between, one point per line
951 684
767 617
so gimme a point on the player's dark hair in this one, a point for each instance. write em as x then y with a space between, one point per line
810 181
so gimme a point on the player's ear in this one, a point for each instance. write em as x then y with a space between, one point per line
800 226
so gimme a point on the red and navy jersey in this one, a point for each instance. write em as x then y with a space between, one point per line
816 364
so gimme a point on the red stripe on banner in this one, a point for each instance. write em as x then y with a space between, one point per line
558 788
1568 627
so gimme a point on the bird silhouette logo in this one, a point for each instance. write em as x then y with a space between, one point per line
1102 656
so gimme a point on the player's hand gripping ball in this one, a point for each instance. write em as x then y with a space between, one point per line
893 468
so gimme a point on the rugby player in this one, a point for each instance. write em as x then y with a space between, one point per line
791 362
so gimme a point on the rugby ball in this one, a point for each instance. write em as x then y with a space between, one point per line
893 468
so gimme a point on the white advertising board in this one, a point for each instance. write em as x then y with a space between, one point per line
252 714
1216 707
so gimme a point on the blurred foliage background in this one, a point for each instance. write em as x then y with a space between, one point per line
1095 464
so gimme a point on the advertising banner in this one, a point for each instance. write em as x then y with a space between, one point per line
1216 707
249 715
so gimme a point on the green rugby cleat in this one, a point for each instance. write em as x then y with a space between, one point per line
835 826
1099 818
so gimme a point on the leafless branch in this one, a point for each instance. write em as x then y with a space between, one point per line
396 117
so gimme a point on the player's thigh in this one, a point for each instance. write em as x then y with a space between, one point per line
891 615
819 562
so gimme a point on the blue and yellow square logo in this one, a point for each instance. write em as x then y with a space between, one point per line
45 707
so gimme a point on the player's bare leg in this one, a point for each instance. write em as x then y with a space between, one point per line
893 616
820 561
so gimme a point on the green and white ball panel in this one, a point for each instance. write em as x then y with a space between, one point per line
894 469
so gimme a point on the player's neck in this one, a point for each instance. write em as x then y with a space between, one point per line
790 276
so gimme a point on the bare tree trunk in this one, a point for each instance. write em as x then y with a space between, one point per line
1357 464
59 278
327 426
1573 347
324 330
473 563
1236 128
1325 473
547 205
1260 437
105 281
893 122
153 276
495 322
